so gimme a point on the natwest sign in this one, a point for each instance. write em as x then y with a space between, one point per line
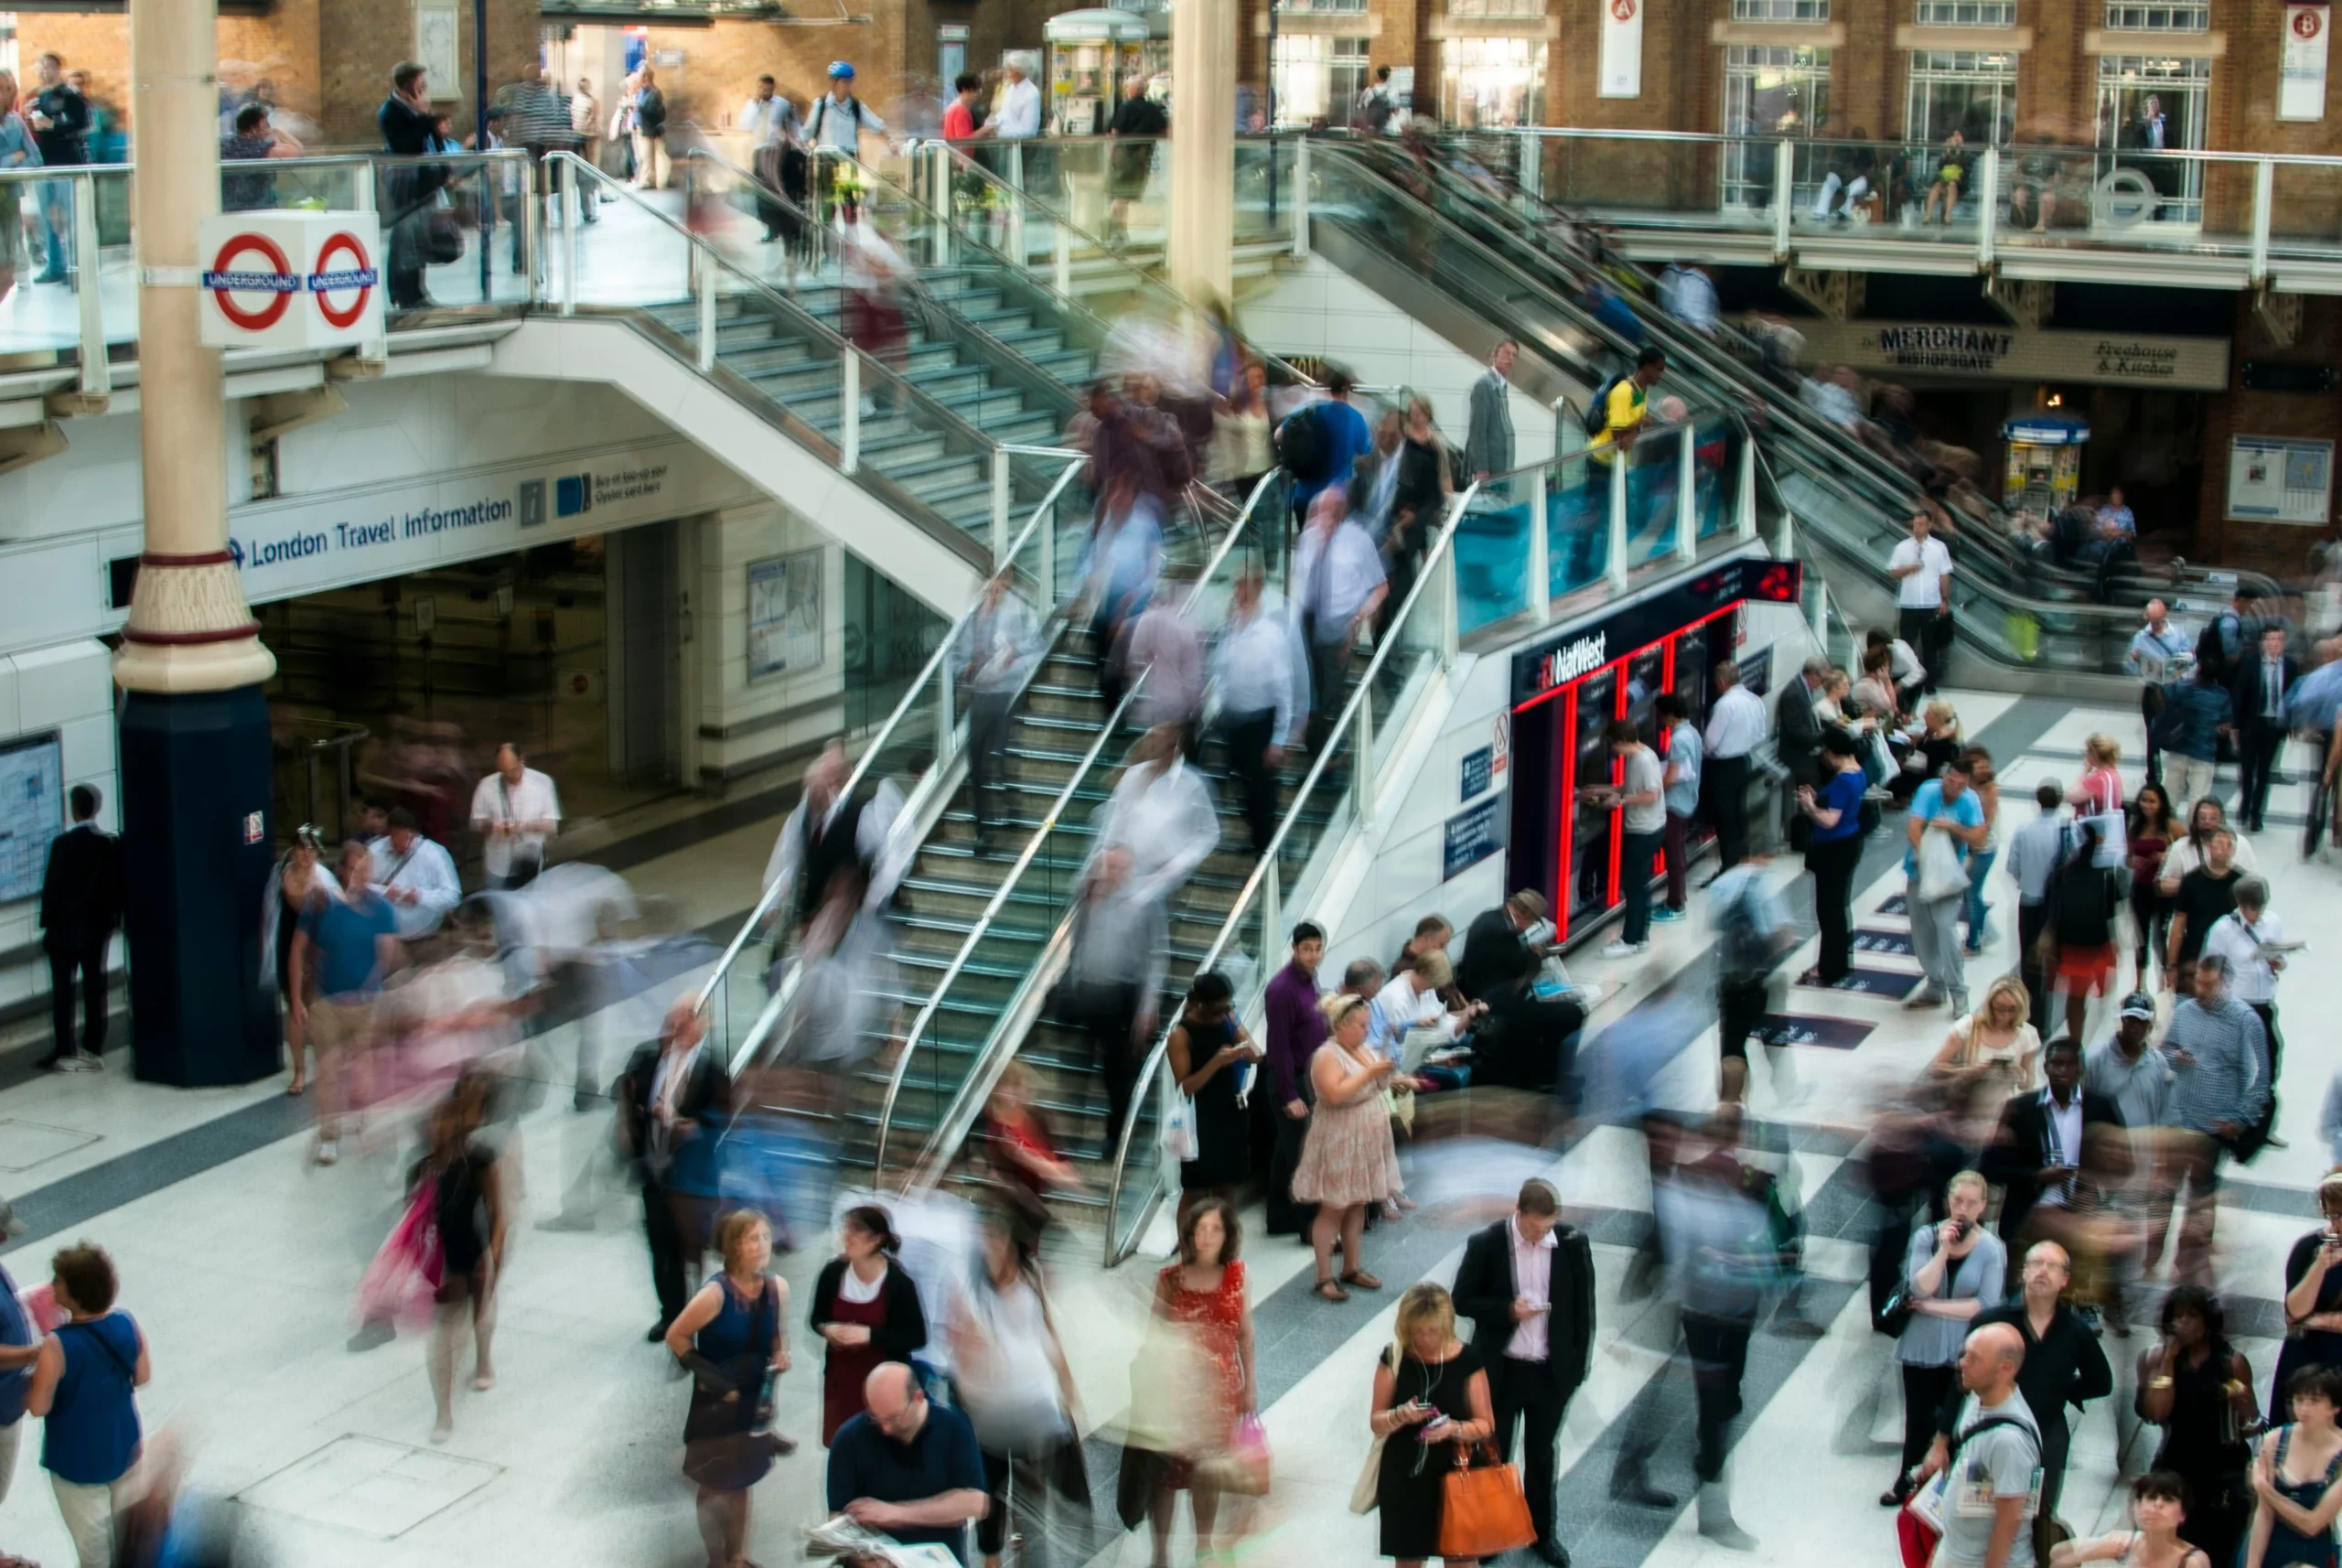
290 279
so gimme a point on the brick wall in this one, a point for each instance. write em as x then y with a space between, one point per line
2279 549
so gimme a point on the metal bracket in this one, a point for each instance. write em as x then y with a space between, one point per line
279 413
2027 303
2280 316
79 404
1836 294
28 444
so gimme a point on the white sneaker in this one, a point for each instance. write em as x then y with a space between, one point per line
1623 949
329 1152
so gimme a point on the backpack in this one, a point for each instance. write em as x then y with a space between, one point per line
1596 416
1375 113
1302 450
2084 908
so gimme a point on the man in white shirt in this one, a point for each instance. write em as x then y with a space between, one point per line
1161 811
1341 585
1922 568
839 118
515 810
1261 670
771 121
1410 1001
415 875
1642 806
585 124
1019 116
828 834
1737 723
2159 652
2244 937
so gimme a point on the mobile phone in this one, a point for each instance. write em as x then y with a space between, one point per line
1961 1227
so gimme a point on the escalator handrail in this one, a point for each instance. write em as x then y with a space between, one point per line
1050 821
944 419
1232 928
769 897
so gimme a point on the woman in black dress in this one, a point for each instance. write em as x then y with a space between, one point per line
1207 1046
2314 1295
1430 1393
2200 1390
731 1336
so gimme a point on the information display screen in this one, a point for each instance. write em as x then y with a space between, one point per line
32 811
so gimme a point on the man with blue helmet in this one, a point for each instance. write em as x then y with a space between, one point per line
839 118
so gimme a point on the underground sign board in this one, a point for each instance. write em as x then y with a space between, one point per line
290 279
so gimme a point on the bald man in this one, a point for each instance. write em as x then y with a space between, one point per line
1994 1456
672 1101
906 1467
2064 1364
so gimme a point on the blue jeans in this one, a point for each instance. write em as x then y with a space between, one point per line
1972 909
56 206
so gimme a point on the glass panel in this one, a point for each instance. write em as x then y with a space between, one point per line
1594 703
1654 491
1577 524
1769 91
2151 105
43 312
1715 475
1492 551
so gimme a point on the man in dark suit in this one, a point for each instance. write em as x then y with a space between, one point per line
1525 1041
2037 1152
673 1101
2257 698
1527 1283
1797 733
80 904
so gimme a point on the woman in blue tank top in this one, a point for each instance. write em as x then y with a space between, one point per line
85 1386
2297 1478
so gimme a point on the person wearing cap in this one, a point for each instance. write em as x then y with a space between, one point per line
2126 1070
839 118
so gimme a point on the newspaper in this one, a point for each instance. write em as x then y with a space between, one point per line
839 1536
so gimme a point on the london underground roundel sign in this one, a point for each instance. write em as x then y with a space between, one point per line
354 278
275 281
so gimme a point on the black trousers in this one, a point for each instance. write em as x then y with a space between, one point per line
1329 679
1718 1351
1727 782
87 959
2267 1013
676 1225
1105 1015
1740 1008
1523 1393
988 729
1285 1217
1832 863
1247 737
1929 635
1532 1046
1924 1389
2150 700
2258 745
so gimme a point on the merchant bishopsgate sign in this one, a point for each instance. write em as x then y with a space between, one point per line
2008 353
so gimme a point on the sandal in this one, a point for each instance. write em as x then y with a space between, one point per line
1361 1279
1330 1291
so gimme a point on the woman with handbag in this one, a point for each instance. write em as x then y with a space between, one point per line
1207 1047
1348 1156
1202 1293
732 1339
1014 1384
868 1311
1995 1051
1950 1273
2200 1390
1431 1406
468 1208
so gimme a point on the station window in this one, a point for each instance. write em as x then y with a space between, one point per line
1769 91
1972 91
1967 13
2151 104
1780 10
2161 17
1317 76
1479 8
1355 7
1489 83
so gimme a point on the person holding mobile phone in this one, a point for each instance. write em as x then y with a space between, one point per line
1208 1051
2314 1294
1430 1395
1949 1272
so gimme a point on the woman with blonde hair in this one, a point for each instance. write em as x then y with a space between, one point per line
1997 1041
18 150
2098 791
733 1339
1431 1398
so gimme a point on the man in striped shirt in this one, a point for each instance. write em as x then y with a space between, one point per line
2221 1089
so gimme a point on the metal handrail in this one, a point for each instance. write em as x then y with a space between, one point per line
37 172
878 744
1050 821
1145 1083
2069 149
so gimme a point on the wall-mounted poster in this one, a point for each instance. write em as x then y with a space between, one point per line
784 615
32 811
435 50
2277 478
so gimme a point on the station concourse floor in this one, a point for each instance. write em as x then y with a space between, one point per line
241 1261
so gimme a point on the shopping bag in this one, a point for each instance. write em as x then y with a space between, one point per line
1941 875
1180 1130
1483 1509
402 1282
1242 1467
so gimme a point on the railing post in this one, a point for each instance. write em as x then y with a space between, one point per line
1744 506
2264 190
1049 569
939 181
1000 463
1540 564
1822 617
1301 199
1017 257
1062 255
1785 537
947 728
574 192
848 411
1562 415
1617 570
1988 207
1362 754
1451 629
1687 499
533 216
1529 168
1784 195
1272 914
97 375
704 285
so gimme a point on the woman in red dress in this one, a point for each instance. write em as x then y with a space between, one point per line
867 1309
1203 1293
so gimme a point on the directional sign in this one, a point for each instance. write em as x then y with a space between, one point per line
290 279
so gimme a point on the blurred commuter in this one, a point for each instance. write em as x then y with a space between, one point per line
1295 1029
409 190
2150 827
2207 894
648 105
515 810
1985 779
1527 1282
2251 938
1018 1146
1833 852
1208 1049
1260 667
1418 506
732 1336
907 1467
1242 451
827 832
998 647
468 1213
82 894
1121 568
85 1388
1121 950
1641 800
2206 821
1012 1378
1944 805
1321 454
1163 644
2218 1052
673 1101
1993 1052
773 126
2257 695
1202 1291
1679 749
415 875
1737 724
1162 812
1145 122
1347 1159
354 940
1339 587
1431 1406
2036 852
867 1309
876 278
2187 728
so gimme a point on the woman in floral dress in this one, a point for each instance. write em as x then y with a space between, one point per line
1203 1293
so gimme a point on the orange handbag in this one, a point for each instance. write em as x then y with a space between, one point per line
1483 1511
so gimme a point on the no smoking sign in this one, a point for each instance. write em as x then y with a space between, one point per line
291 279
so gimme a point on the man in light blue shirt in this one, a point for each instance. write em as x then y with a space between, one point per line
2159 652
1680 741
1946 805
